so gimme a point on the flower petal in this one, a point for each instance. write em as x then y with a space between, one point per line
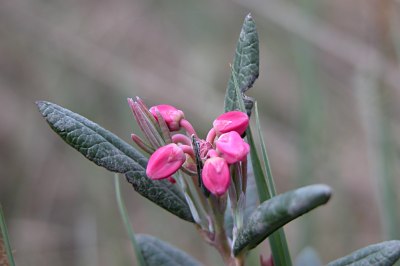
232 147
165 161
231 121
170 114
215 175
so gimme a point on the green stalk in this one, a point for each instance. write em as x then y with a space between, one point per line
265 186
380 150
311 113
267 167
277 240
195 200
127 223
5 239
388 190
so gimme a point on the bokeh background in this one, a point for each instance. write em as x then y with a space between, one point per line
328 92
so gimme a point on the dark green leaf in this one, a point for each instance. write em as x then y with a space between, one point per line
382 254
278 211
245 66
159 253
107 150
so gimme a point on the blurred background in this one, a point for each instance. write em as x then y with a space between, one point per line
328 92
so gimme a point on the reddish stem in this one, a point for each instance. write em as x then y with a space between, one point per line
188 127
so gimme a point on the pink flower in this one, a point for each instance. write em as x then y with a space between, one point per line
232 147
231 121
165 161
215 175
170 114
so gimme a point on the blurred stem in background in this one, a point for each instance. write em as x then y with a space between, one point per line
310 119
393 28
6 256
373 112
375 108
127 224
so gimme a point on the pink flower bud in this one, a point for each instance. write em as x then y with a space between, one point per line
232 147
170 114
165 161
231 121
215 175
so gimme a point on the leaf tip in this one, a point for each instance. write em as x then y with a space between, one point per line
324 190
41 105
248 18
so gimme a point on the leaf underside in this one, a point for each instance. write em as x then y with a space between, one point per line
382 254
157 252
107 150
245 66
278 211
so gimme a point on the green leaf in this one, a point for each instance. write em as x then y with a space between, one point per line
278 211
236 99
245 65
158 252
382 254
107 150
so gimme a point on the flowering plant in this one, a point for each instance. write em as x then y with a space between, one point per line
213 182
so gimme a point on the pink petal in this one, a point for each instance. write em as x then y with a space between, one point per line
232 147
215 175
165 161
231 121
170 114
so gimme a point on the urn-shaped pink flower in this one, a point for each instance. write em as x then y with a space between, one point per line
170 114
231 121
232 147
165 161
215 175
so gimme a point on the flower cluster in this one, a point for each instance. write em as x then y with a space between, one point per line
171 150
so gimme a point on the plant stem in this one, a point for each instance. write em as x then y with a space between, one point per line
4 239
127 223
220 240
265 184
277 240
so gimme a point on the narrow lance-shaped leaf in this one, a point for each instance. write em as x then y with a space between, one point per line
107 150
158 252
382 254
245 66
278 211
